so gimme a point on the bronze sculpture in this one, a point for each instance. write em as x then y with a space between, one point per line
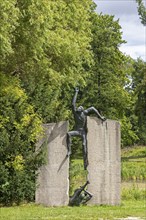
80 117
80 196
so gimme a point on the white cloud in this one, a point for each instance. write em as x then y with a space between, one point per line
117 7
133 31
134 51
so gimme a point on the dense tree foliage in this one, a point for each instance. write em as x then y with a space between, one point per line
142 11
139 95
19 128
51 47
108 72
109 77
9 20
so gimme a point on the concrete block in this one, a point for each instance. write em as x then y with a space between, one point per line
104 169
53 178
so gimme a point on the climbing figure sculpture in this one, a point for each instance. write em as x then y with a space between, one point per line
80 117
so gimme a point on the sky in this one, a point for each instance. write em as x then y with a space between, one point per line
133 31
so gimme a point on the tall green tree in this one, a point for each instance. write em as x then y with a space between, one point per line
108 77
139 94
142 11
9 15
51 48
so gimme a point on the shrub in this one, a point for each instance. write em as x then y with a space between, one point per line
19 129
128 136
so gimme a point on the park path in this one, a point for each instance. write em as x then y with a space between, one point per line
131 218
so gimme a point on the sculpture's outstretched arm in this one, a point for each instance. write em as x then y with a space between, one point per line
94 110
74 99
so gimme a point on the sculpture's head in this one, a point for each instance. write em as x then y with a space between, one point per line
80 109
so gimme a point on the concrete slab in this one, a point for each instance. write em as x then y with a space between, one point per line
53 178
104 169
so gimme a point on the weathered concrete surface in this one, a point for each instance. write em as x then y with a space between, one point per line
104 169
53 179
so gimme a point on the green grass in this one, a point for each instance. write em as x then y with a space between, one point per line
133 195
134 152
133 191
134 164
34 212
133 171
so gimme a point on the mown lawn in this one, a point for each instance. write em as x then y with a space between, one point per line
134 164
35 212
133 195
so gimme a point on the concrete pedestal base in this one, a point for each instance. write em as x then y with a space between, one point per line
53 179
104 169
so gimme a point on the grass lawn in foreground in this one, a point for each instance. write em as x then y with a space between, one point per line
35 212
133 195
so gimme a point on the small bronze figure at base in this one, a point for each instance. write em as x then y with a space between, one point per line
80 196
